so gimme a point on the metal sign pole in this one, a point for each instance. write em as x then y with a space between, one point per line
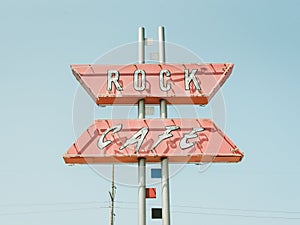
141 115
164 161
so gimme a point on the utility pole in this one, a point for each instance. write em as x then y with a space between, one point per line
112 196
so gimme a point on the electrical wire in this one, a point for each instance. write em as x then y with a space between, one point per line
135 208
50 204
225 209
239 215
49 211
237 209
227 214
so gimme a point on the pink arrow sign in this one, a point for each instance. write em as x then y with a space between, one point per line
176 83
181 140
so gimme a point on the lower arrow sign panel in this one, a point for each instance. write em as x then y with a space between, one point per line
181 140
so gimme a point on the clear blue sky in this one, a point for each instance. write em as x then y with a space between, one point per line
40 39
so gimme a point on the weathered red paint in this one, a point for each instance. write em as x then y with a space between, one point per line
211 144
94 79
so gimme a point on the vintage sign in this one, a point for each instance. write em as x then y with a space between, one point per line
181 140
176 83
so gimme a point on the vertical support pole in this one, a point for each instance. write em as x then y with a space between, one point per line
142 191
164 161
163 109
141 115
161 44
165 175
141 109
141 45
165 191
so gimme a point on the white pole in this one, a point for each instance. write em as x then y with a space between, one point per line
141 45
141 115
161 45
164 161
165 191
142 191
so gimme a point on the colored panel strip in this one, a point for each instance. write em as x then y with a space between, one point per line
156 213
155 173
150 192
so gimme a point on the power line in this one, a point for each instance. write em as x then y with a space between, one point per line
50 211
135 203
51 204
226 214
135 208
225 209
239 209
239 215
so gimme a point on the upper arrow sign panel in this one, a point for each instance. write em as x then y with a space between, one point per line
176 83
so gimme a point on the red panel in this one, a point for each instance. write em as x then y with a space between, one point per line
211 144
210 76
150 192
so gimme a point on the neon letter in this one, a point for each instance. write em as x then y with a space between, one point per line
111 79
183 142
136 80
101 143
138 138
161 80
188 77
165 135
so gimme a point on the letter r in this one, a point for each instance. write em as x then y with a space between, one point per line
113 79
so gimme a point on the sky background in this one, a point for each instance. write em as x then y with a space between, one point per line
40 39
